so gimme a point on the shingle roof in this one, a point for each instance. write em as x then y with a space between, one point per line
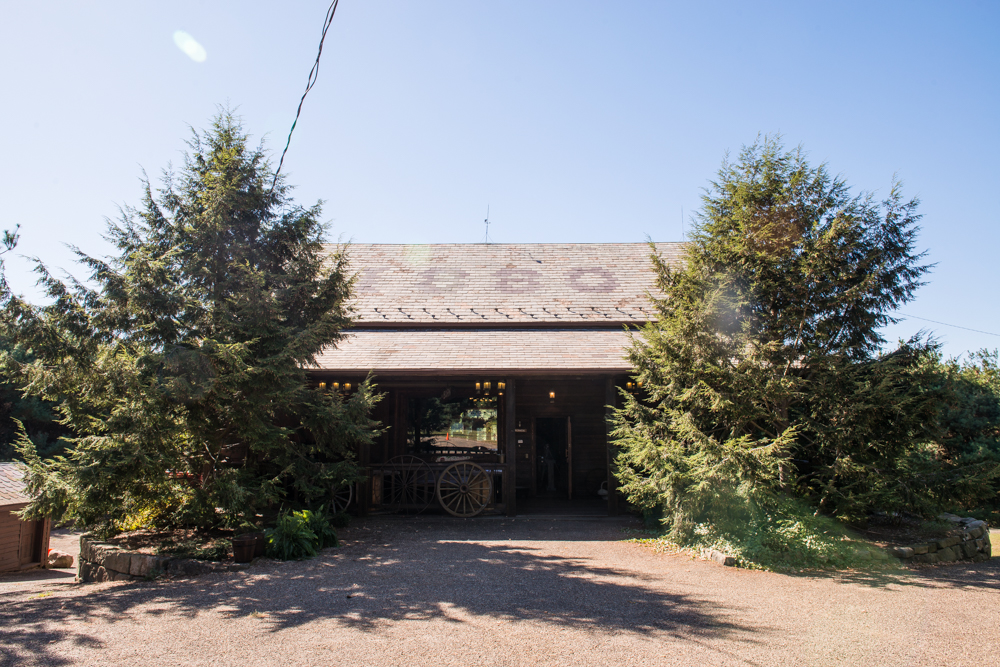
470 350
567 284
11 486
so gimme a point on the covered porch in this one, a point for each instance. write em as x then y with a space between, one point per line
512 422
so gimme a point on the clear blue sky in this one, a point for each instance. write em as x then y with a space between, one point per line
574 121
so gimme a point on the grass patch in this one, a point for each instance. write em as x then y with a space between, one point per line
781 535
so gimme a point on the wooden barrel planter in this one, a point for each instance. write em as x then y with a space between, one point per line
259 544
244 547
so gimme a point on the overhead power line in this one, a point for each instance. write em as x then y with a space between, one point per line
313 75
988 333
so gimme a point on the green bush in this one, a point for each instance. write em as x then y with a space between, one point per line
775 533
302 534
292 537
324 528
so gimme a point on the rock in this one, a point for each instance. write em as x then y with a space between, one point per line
721 558
947 554
903 552
920 549
60 559
975 533
141 565
969 549
949 517
119 561
976 524
948 542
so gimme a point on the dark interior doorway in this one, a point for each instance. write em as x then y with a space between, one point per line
552 457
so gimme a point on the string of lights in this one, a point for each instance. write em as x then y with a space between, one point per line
313 75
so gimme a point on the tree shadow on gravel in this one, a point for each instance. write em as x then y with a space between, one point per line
373 581
985 575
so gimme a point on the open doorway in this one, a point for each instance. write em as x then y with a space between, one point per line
553 457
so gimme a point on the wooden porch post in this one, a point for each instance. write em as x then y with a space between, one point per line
610 396
510 450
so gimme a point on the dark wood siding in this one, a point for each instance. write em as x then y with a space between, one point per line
582 399
10 539
22 543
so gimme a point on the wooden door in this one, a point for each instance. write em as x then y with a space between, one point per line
10 541
29 529
569 455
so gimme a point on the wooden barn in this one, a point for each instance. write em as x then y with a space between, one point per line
23 544
498 362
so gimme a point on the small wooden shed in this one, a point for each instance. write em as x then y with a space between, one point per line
23 544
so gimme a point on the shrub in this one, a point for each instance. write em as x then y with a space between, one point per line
776 533
292 538
323 526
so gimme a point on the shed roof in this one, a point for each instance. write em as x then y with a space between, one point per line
11 485
433 351
504 284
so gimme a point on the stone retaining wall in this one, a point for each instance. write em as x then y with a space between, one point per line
970 541
101 561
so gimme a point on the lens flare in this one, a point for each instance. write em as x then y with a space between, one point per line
190 46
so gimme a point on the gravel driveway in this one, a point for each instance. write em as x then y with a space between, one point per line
496 591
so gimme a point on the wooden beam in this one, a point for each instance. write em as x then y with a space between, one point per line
510 449
610 398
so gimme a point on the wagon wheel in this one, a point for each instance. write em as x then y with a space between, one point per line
409 484
464 489
342 497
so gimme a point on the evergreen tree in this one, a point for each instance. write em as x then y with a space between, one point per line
969 445
17 411
762 375
179 367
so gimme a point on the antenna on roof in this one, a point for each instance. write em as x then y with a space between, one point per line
486 239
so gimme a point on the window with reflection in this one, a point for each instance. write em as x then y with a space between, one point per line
452 426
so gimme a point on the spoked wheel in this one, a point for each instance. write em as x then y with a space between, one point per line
408 484
342 497
464 489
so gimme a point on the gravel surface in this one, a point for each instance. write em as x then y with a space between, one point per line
498 592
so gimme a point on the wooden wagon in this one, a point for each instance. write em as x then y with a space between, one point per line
463 481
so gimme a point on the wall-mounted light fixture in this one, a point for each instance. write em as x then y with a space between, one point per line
347 386
552 397
486 388
322 385
479 388
630 385
336 386
501 386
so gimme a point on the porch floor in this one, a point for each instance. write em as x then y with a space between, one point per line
562 506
